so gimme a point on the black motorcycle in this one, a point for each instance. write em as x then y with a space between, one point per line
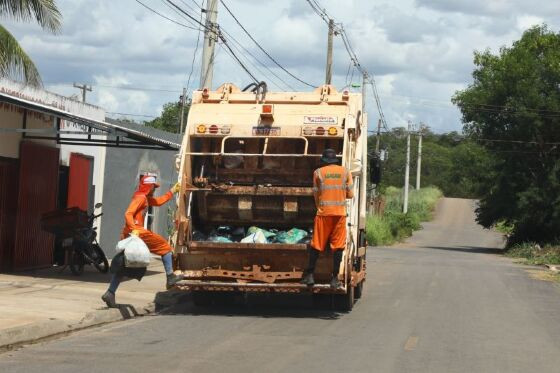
74 228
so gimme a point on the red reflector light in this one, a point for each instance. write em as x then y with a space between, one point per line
320 131
213 129
267 109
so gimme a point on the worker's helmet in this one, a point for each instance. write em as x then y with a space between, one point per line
329 156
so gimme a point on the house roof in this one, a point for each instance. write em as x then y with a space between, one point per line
113 135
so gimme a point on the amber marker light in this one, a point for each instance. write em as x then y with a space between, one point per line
201 128
333 131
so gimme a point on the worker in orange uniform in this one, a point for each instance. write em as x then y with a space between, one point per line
332 185
134 225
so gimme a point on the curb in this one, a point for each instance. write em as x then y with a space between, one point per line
13 337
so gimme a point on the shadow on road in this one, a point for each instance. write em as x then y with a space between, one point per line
467 249
246 304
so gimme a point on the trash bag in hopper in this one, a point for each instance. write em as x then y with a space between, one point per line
292 236
257 237
266 233
136 253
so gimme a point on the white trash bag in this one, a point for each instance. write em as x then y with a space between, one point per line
257 237
136 253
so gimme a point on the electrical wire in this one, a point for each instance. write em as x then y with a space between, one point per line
262 49
195 53
164 16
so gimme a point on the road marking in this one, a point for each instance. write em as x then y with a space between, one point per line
411 343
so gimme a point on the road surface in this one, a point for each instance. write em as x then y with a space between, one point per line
444 301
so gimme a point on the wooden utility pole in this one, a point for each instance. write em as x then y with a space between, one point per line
419 162
328 76
407 170
183 102
378 136
84 88
210 38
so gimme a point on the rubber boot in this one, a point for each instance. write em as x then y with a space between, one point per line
109 299
335 284
308 279
172 280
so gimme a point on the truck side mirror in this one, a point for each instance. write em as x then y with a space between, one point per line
375 171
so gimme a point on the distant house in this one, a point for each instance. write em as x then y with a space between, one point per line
54 153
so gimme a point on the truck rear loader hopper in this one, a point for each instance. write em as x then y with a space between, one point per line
247 159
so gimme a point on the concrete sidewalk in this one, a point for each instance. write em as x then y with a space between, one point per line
42 303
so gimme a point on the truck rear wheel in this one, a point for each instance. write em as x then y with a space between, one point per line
344 302
359 289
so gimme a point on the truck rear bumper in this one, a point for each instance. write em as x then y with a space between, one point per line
197 285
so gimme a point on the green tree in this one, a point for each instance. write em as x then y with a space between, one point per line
169 119
513 108
14 62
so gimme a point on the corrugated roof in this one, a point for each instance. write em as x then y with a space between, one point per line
113 129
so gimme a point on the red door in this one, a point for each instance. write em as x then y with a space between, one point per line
79 181
38 182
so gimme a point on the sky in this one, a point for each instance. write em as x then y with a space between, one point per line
420 52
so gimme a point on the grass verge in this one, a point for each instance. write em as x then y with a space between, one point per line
395 226
534 254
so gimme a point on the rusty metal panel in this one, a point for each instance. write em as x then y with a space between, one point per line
8 209
79 181
38 182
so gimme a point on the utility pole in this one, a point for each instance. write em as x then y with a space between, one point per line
328 76
84 88
183 101
419 162
210 37
407 170
378 136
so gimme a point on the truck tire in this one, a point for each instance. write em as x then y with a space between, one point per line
344 302
359 289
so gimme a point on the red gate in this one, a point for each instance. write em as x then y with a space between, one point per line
38 182
80 181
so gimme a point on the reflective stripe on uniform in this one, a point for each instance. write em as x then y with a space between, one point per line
332 187
332 203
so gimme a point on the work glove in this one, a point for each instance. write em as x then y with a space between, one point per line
175 188
135 232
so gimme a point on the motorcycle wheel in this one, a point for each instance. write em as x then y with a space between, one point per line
76 263
101 262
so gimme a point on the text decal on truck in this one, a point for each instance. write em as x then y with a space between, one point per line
266 131
319 119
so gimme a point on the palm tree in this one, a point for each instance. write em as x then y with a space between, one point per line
14 62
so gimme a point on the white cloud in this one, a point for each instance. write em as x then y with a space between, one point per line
419 50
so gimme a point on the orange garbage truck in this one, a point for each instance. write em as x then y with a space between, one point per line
246 206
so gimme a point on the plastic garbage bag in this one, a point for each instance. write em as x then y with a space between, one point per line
136 253
256 237
222 239
292 236
266 233
198 236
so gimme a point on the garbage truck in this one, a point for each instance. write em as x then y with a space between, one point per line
246 167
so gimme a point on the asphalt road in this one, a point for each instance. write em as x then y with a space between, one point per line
441 302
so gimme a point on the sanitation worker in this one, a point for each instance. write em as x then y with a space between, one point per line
332 185
134 225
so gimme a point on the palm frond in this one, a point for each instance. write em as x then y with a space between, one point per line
14 62
45 12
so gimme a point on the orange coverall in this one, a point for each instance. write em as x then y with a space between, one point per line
134 219
332 185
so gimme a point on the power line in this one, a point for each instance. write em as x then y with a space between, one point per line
131 115
164 16
263 50
194 54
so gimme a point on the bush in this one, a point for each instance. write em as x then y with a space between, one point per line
535 254
395 226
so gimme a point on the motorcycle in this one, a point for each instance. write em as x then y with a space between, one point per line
85 248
